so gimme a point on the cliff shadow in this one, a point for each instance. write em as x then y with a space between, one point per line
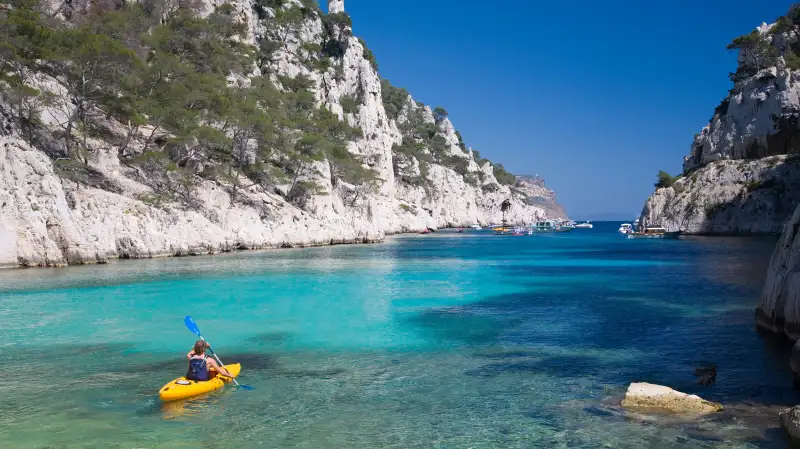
616 332
765 199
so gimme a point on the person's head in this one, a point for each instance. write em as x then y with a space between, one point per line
200 347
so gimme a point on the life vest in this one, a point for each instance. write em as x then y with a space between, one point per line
198 370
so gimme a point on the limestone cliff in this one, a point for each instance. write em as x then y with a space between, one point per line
737 179
537 194
55 211
756 122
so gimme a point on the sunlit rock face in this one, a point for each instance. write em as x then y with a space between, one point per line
47 218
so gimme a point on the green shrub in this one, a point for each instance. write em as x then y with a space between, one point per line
439 114
349 104
745 41
394 99
472 179
368 55
504 177
490 188
461 143
156 199
782 25
792 60
753 184
665 179
458 164
338 20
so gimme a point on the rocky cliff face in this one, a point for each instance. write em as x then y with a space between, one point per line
735 179
729 197
746 160
55 212
537 194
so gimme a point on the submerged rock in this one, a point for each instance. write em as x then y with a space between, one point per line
652 396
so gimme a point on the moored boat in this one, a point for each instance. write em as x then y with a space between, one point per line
550 226
521 230
654 232
476 226
503 230
585 225
625 228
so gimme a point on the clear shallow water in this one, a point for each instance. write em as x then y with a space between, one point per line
439 341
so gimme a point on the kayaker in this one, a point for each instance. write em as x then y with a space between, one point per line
200 364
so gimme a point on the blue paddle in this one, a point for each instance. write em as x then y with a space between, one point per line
192 326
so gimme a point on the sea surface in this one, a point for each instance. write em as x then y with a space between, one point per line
438 341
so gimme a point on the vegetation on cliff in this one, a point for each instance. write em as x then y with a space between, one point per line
665 179
165 73
187 92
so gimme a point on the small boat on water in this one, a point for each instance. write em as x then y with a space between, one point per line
521 230
503 230
550 226
476 226
460 230
182 387
585 225
654 232
625 228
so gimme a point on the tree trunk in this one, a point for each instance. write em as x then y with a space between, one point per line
149 138
131 132
68 137
82 108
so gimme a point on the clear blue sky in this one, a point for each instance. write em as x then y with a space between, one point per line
596 97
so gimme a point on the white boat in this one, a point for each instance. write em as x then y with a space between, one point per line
586 225
654 232
522 230
625 228
476 226
550 226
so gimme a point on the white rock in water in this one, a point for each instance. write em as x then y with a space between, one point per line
790 421
652 396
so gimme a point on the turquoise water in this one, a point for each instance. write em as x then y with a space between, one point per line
439 341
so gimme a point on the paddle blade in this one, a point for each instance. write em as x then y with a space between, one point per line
246 387
191 325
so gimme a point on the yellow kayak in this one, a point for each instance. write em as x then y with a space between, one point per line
182 388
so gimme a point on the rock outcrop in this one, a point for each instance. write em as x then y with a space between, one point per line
55 212
729 197
658 397
537 194
778 310
736 179
790 421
